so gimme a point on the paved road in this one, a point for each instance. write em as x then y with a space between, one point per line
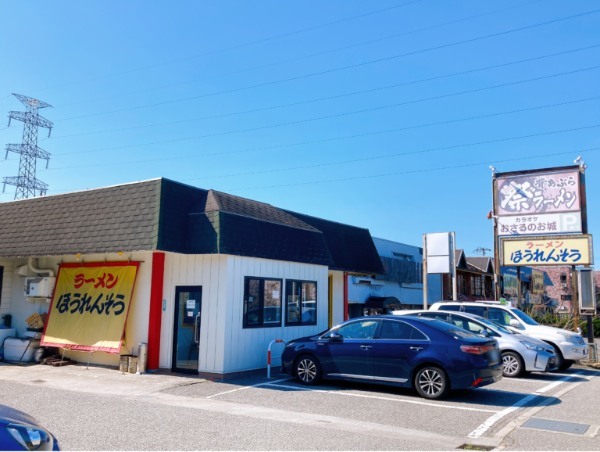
102 409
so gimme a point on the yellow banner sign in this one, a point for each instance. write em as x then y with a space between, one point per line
90 305
548 251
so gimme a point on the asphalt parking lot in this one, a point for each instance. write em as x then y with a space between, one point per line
558 411
479 416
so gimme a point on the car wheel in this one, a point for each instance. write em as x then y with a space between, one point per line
560 361
512 365
566 364
431 382
308 370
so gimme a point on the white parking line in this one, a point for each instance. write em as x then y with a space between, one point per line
388 399
247 387
499 415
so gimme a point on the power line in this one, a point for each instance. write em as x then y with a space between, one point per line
246 44
415 171
338 96
429 150
316 54
418 126
332 70
337 115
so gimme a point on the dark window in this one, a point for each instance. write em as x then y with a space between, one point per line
450 307
364 329
262 302
300 302
499 316
477 310
1 279
399 330
468 324
477 285
435 315
401 270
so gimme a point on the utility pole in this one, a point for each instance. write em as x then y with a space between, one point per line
481 249
26 182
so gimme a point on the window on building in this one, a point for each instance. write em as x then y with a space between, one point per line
262 302
300 302
461 284
477 285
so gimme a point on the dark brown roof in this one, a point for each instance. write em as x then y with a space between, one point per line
351 248
113 219
236 205
482 264
169 216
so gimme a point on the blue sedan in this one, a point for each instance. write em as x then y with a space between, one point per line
19 431
428 355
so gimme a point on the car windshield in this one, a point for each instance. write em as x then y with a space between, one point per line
524 317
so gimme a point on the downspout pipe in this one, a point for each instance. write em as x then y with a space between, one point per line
39 270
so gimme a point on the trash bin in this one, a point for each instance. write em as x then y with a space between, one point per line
142 357
133 364
124 363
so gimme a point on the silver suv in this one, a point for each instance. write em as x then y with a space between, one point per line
568 346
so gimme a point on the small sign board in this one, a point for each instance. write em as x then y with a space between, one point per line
587 291
540 224
439 252
547 250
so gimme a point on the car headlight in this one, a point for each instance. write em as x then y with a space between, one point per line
572 337
30 437
533 346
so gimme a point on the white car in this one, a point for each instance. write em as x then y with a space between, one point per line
520 353
568 346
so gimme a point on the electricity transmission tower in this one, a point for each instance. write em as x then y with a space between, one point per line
26 183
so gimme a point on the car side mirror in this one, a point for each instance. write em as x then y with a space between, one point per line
515 324
334 337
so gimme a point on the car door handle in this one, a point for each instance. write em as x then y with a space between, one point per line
416 348
366 347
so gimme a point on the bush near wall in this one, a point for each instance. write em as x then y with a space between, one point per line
595 324
565 321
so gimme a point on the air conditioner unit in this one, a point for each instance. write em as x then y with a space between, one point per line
39 287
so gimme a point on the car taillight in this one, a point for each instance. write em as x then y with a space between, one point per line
477 349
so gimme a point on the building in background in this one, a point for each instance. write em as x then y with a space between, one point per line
218 276
561 289
475 278
399 287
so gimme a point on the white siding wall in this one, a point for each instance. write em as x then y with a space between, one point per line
225 346
7 280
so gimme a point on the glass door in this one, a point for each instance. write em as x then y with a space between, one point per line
186 333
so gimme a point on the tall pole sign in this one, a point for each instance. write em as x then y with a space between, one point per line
540 219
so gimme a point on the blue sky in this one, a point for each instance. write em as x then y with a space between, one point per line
384 115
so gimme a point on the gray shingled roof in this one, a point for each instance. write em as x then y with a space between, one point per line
169 216
113 219
223 202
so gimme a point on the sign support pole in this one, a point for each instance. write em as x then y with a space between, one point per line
425 285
